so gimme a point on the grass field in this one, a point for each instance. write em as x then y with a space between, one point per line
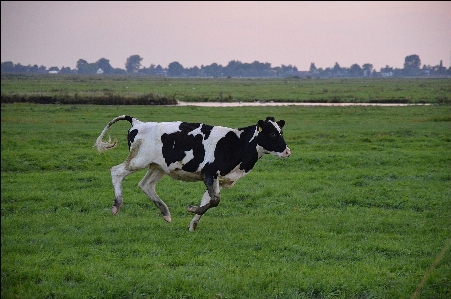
361 209
123 89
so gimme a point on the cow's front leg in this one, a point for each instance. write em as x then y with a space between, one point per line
210 199
193 224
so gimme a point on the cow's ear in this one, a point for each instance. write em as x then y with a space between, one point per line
270 118
281 123
261 125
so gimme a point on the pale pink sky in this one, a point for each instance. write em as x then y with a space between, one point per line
201 33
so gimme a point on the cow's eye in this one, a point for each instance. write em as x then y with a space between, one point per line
273 135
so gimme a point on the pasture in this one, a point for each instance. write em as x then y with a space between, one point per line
126 89
361 209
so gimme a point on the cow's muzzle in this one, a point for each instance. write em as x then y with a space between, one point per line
286 153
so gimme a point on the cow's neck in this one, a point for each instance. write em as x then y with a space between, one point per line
251 154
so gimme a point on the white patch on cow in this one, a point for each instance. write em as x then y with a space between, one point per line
230 179
197 131
168 127
254 136
276 126
189 155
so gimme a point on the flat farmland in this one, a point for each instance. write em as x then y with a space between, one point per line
110 89
361 209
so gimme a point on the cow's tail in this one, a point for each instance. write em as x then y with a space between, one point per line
104 146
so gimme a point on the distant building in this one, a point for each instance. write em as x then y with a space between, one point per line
54 70
99 71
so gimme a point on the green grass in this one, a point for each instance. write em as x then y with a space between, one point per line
360 210
121 89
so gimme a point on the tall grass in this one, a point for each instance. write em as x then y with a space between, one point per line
361 209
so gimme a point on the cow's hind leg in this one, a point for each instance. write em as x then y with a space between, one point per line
147 185
118 173
133 163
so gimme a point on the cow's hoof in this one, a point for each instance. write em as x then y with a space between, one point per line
167 218
192 209
193 226
114 210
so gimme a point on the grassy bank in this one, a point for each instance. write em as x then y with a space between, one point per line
361 209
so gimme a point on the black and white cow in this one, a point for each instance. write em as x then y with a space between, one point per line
216 155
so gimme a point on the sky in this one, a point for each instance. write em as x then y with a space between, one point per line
201 33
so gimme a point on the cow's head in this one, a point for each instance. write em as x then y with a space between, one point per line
270 137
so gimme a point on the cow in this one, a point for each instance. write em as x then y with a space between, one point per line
192 152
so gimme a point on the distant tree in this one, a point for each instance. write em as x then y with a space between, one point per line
367 69
386 69
19 68
42 69
289 70
355 70
81 64
83 67
133 63
233 68
441 68
327 71
212 70
277 71
260 69
34 68
7 66
312 67
412 65
175 69
337 68
104 64
65 70
148 70
193 72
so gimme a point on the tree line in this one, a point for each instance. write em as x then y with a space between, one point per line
412 68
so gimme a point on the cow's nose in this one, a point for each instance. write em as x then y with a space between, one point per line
287 152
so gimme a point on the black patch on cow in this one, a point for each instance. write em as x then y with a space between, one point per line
227 156
228 153
176 144
188 127
129 119
131 137
206 130
250 155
